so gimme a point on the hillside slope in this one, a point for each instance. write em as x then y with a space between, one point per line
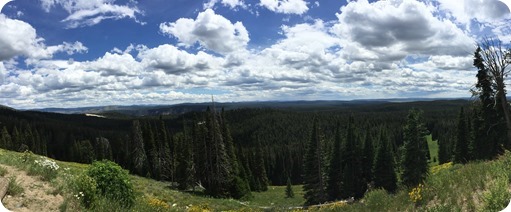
478 186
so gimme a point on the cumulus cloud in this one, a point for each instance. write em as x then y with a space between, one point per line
398 48
464 11
20 38
91 12
298 7
390 30
233 4
210 30
171 60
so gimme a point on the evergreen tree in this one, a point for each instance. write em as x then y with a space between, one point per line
353 185
5 139
289 189
185 168
368 158
414 163
259 172
384 170
138 153
488 127
16 139
461 145
335 173
219 165
314 186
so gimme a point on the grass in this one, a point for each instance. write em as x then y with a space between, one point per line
14 188
433 151
476 186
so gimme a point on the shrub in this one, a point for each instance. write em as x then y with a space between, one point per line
416 194
497 198
14 188
44 167
112 182
157 205
84 190
3 171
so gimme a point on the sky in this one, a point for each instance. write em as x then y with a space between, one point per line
77 53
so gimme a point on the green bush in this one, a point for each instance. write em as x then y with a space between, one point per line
497 198
14 188
112 182
84 190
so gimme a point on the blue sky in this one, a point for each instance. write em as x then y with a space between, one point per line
73 53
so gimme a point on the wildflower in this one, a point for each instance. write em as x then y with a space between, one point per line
416 194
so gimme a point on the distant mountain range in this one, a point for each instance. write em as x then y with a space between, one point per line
177 109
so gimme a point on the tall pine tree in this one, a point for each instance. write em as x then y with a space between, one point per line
314 176
462 143
414 162
353 185
335 172
384 169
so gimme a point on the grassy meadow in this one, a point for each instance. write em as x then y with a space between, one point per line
477 186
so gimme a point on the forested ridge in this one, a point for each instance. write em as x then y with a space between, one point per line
282 134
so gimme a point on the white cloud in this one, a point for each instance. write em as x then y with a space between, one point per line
210 30
233 4
20 38
91 12
298 7
464 11
171 60
115 64
390 30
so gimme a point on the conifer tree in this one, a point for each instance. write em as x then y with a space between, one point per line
384 169
16 139
6 139
353 185
368 158
185 168
239 187
314 183
289 189
335 172
259 172
461 145
138 153
414 163
220 165
486 122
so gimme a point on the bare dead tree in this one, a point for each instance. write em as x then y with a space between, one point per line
497 59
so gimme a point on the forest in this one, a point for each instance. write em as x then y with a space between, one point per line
335 152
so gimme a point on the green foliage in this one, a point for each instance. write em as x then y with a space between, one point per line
46 168
377 200
461 152
289 189
259 170
112 182
84 189
3 171
138 154
314 184
497 197
384 170
334 173
353 185
239 189
14 188
414 160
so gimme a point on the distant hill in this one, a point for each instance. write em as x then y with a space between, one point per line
178 109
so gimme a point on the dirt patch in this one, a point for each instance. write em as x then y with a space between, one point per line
36 197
